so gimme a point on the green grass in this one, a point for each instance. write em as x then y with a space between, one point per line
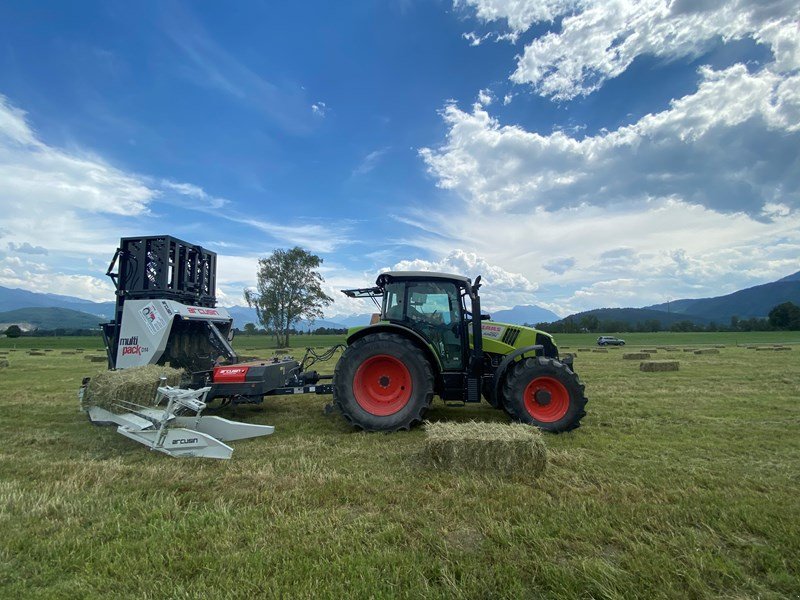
677 485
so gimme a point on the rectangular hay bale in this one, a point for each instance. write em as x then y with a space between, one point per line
137 385
513 449
652 366
636 356
707 351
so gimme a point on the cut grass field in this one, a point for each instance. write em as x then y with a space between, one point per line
678 484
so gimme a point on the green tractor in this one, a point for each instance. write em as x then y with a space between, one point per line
430 338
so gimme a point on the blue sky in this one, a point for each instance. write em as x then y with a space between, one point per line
577 153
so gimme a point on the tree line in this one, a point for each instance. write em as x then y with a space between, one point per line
782 317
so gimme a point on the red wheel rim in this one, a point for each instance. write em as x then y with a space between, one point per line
382 385
536 394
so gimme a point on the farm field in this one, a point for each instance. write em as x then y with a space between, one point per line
678 484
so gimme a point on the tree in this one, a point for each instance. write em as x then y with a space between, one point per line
13 331
785 316
288 289
250 329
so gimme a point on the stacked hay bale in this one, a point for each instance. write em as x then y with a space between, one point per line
138 385
514 450
652 366
636 356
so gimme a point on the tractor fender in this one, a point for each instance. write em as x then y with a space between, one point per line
420 341
501 370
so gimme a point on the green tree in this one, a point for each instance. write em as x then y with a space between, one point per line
288 288
249 328
13 331
785 316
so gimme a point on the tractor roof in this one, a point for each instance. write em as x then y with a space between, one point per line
392 275
384 278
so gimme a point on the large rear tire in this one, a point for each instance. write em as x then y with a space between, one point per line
383 382
546 393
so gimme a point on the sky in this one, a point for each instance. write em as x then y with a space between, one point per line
576 153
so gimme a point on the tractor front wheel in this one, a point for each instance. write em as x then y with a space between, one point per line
546 393
383 382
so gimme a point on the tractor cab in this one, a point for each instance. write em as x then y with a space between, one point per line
433 306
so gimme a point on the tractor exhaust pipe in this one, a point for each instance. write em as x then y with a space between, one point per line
477 334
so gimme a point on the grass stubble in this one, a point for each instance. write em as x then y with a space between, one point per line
678 484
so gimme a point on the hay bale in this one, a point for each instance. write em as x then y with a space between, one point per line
513 449
137 385
673 350
782 348
48 349
763 349
67 353
719 346
282 351
649 350
36 353
601 350
584 349
98 359
707 351
652 366
636 356
689 349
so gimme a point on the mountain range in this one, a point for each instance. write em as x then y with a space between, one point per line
50 311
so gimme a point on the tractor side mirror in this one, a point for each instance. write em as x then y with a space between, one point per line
231 334
485 317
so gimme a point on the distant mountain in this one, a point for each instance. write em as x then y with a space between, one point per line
49 318
242 315
751 302
632 316
13 298
792 277
529 313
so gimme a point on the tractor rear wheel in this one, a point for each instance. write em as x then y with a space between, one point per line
383 382
546 393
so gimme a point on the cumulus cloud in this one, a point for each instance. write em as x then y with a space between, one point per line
731 145
599 39
503 289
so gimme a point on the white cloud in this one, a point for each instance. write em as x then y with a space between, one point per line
501 288
29 169
485 97
78 205
320 109
669 248
599 39
195 192
731 145
370 161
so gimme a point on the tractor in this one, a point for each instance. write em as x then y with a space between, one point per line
431 338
